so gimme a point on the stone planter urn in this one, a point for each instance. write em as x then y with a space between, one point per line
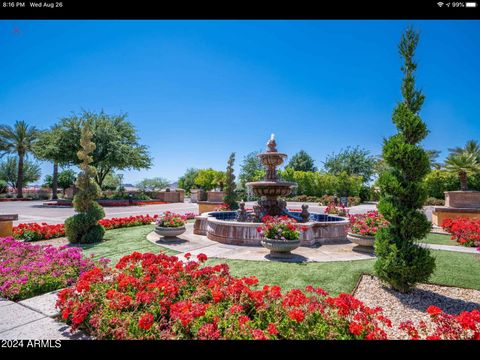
169 232
361 240
280 249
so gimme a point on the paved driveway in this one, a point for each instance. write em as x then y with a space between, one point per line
34 211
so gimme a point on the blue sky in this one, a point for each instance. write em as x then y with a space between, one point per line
199 90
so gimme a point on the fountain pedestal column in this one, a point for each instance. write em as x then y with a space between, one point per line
270 189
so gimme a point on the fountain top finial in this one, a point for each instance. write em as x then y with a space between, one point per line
272 144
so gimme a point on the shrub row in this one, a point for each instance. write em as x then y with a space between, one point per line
325 199
318 183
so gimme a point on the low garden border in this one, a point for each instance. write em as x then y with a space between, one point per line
109 203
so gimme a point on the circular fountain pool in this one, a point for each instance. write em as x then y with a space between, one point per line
222 226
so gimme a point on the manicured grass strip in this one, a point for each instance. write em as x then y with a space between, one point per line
453 269
121 242
439 239
334 277
456 269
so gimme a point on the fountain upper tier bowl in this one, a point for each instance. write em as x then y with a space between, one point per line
271 188
271 158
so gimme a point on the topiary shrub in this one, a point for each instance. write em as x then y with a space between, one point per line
94 234
230 197
83 227
401 262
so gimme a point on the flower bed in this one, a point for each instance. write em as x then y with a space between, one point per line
367 224
34 231
116 223
465 326
148 296
339 210
112 202
464 230
279 228
28 270
44 231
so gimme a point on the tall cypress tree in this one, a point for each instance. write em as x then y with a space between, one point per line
401 262
230 195
83 227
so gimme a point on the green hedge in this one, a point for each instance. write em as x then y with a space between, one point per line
439 181
318 184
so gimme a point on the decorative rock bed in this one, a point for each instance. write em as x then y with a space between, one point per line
222 227
399 307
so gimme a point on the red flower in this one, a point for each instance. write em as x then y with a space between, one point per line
272 329
296 315
355 328
187 255
242 320
146 321
433 310
202 257
208 332
236 308
258 335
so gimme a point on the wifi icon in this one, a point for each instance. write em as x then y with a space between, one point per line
440 4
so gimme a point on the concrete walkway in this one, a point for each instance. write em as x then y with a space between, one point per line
34 319
196 244
462 249
347 251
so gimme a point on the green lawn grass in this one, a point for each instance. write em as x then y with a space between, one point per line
454 269
440 239
121 242
334 277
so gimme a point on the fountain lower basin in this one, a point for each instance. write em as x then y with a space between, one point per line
221 226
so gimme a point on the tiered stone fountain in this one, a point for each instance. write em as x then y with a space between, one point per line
271 188
240 228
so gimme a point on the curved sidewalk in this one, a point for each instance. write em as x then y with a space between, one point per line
196 244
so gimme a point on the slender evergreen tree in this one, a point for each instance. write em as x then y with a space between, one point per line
230 195
401 262
83 227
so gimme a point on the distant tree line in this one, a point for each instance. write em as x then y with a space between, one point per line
117 148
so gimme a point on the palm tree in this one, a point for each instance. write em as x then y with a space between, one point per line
472 147
432 157
463 164
19 140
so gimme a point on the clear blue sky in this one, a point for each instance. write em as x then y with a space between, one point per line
198 90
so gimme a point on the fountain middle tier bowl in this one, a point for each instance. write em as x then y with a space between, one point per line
272 158
271 188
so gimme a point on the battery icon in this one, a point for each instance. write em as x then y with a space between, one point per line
471 4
